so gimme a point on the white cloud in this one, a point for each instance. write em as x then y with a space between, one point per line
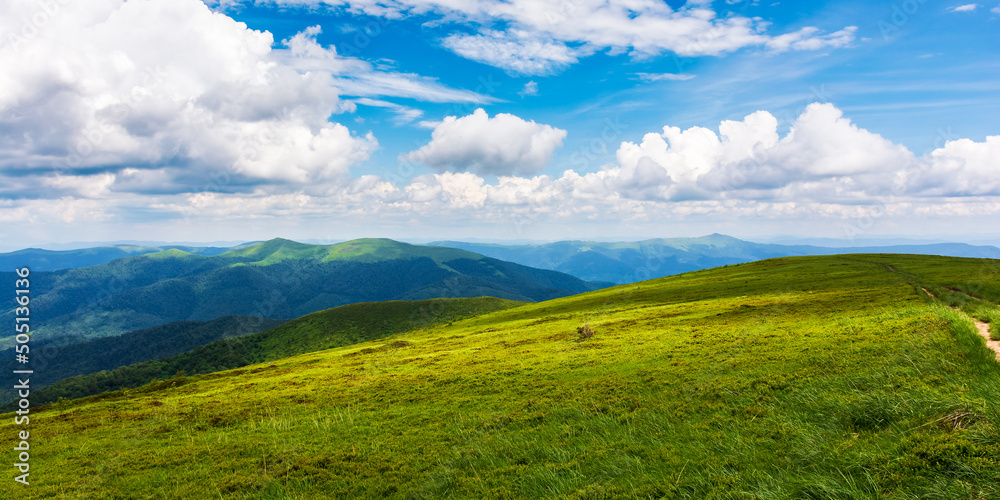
682 158
516 52
357 77
824 158
822 143
996 10
960 168
807 39
404 114
82 186
502 145
825 166
969 7
528 37
530 88
168 96
109 95
656 77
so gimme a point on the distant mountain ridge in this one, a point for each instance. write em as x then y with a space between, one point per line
279 279
627 262
567 256
55 260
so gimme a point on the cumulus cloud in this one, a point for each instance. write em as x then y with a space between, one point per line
960 168
502 145
528 37
824 156
113 110
824 167
823 143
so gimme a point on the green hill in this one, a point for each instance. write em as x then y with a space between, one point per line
335 327
275 279
793 378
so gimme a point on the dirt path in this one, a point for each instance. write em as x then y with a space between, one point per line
983 328
984 331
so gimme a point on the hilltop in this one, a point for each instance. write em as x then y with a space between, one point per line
804 377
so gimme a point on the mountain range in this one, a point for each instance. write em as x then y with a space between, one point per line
618 262
627 262
277 279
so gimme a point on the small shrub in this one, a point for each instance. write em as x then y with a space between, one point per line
584 332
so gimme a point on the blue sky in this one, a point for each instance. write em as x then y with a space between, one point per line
905 76
327 119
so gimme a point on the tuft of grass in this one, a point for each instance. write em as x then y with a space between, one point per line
584 332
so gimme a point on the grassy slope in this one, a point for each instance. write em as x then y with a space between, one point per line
813 377
335 327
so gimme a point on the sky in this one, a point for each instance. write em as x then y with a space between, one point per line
326 120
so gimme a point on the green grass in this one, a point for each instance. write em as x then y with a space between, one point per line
813 377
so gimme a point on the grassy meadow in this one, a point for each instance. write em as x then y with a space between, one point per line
796 378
